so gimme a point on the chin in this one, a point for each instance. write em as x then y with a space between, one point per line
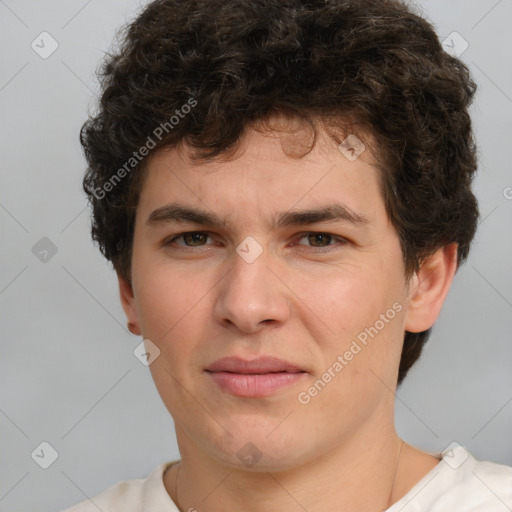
263 449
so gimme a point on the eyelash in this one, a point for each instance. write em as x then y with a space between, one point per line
167 242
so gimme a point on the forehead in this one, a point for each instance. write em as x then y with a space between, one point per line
263 177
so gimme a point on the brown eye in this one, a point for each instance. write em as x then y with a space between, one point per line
321 240
191 239
194 237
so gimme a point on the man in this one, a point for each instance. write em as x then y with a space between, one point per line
284 190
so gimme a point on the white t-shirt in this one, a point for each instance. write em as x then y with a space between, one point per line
459 483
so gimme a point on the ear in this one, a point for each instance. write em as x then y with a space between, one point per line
428 288
128 303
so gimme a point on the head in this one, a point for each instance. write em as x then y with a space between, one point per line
246 109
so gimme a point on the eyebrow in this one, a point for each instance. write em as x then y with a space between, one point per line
175 212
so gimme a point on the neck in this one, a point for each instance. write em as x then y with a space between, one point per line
363 474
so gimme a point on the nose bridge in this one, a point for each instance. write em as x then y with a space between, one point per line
250 292
251 262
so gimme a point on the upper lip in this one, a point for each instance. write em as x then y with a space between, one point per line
260 365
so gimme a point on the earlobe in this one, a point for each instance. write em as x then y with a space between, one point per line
128 303
429 288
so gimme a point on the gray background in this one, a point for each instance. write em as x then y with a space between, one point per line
68 373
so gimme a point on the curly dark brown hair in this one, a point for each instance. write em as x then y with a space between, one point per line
218 66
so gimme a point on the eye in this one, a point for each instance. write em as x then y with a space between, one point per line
321 240
194 238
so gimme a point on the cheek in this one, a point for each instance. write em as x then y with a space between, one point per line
340 299
172 314
175 311
166 296
356 310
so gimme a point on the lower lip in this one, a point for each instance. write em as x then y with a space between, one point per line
251 385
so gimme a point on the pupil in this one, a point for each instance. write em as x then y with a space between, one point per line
318 236
194 236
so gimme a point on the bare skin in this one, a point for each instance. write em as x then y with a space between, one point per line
414 465
304 300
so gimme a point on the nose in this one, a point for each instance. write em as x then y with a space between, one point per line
251 295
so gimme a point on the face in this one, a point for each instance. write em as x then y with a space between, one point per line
324 295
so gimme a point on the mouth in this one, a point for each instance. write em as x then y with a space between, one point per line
256 378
